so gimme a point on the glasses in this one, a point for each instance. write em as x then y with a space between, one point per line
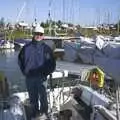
37 33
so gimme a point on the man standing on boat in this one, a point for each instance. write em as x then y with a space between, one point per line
36 61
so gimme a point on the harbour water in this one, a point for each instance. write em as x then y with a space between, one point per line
9 65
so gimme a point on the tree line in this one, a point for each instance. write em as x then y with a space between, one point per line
47 23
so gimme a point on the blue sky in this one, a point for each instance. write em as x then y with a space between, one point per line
84 12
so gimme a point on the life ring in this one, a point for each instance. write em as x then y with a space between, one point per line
96 77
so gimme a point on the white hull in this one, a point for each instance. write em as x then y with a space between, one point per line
65 101
7 45
62 99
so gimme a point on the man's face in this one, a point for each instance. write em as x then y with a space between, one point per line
38 36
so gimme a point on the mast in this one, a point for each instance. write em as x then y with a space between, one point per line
63 11
35 13
49 16
72 11
108 21
118 25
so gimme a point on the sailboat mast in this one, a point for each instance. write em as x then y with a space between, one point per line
63 10
49 16
118 25
108 20
35 13
72 12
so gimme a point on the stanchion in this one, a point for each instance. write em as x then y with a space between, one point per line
51 83
117 101
51 92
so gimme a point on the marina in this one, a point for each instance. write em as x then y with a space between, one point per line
85 39
66 79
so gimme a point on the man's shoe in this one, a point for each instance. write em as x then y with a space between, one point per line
33 118
44 117
41 117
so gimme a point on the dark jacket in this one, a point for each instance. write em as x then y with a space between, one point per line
36 59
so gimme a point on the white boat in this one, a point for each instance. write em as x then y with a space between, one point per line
19 43
6 45
79 102
85 49
90 104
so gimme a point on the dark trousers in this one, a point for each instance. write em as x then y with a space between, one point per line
37 91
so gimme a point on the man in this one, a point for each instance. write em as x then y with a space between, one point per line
36 61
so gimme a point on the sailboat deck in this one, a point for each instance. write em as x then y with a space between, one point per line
73 68
79 110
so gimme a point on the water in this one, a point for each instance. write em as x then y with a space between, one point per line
9 64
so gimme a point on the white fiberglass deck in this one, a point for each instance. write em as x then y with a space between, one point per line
72 68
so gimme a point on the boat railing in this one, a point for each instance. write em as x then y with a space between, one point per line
102 113
60 93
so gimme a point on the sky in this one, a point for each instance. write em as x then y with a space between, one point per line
83 12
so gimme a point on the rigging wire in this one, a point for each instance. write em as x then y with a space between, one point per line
19 15
21 10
